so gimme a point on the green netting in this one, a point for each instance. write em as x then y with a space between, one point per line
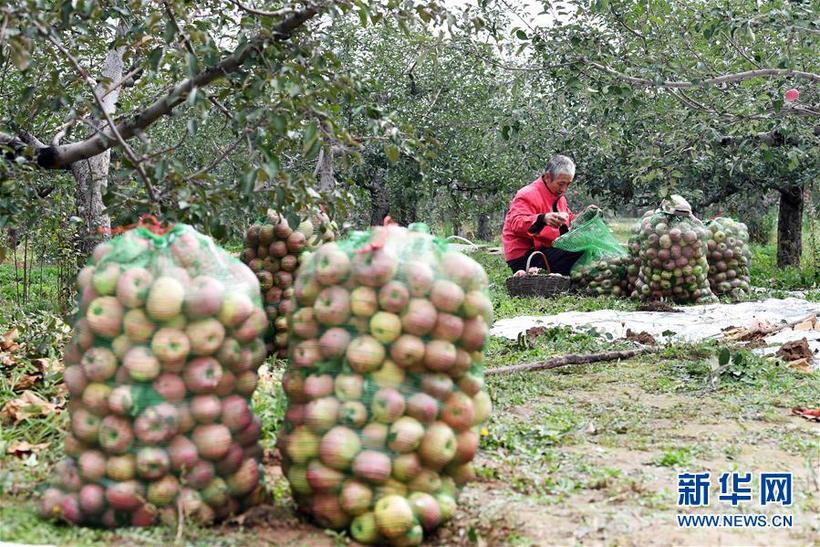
385 383
591 235
161 369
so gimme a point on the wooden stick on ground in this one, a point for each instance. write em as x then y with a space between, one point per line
572 359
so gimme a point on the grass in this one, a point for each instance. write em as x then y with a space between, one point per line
572 444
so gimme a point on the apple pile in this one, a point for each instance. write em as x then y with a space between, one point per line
609 276
385 383
729 257
673 256
272 251
161 369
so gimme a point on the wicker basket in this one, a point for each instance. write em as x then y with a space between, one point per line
538 285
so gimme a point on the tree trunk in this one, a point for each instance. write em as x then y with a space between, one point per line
324 169
92 174
379 201
483 229
790 226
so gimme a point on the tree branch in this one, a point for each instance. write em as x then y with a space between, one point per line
61 157
725 79
219 159
261 13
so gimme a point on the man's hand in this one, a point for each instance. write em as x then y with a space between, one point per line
554 220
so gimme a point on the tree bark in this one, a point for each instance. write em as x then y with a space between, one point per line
379 201
483 229
790 226
324 169
92 174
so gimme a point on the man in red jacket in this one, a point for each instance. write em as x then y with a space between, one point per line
538 214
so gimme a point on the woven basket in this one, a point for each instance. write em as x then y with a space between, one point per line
538 285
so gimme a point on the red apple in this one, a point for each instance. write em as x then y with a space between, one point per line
419 318
475 334
205 409
157 424
365 354
246 383
394 516
50 503
483 407
204 297
332 306
304 323
232 460
202 375
236 308
419 278
170 345
163 491
407 350
68 476
426 481
75 380
422 407
356 497
85 425
152 462
205 335
372 466
477 304
387 405
137 326
99 364
121 400
236 414
72 446
183 453
251 433
306 353
448 327
462 365
466 446
405 435
229 354
353 413
374 436
170 387
349 387
440 355
322 478
328 512
393 296
438 385
364 301
70 509
199 475
83 336
406 467
446 296
165 298
338 447
321 414
121 468
332 264
318 385
390 375
255 325
132 287
141 364
374 268
385 327
458 411
306 289
92 465
125 496
227 384
283 279
212 440
104 316
185 420
426 509
438 446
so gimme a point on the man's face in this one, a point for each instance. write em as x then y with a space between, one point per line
559 184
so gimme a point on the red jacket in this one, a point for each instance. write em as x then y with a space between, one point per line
529 202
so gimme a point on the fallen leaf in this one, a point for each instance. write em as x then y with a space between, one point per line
27 381
27 405
808 324
803 365
812 414
7 342
20 448
7 359
642 337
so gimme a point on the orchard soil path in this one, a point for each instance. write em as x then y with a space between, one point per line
609 477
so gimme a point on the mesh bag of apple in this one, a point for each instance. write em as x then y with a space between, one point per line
606 277
272 250
729 257
385 383
673 255
161 369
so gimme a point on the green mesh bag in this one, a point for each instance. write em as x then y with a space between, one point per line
590 234
272 251
385 383
673 255
161 369
729 257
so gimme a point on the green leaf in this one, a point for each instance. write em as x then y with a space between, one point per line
521 34
723 356
392 152
154 58
310 137
170 32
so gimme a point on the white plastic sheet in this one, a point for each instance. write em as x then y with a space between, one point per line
691 324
